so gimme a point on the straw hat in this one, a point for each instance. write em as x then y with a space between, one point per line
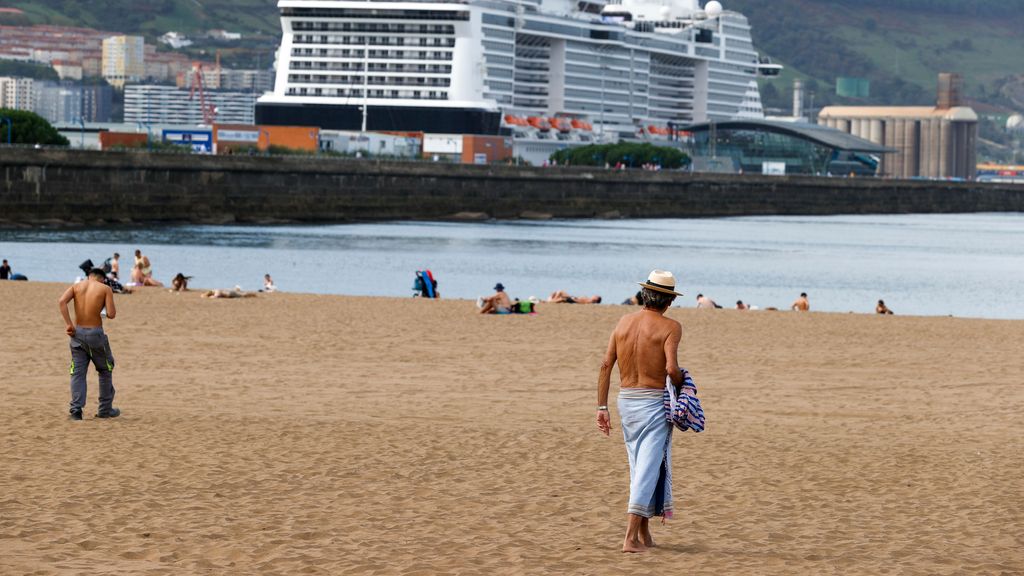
661 281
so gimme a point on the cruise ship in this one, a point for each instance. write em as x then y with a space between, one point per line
559 69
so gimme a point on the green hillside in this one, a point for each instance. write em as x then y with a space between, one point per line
899 45
154 17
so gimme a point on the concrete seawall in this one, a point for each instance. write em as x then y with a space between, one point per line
43 187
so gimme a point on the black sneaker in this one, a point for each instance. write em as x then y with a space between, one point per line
75 415
114 413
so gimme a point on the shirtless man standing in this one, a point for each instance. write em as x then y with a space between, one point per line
645 344
88 342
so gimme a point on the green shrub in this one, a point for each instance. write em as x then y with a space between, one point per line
632 154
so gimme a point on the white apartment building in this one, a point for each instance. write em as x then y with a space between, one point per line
17 93
123 60
148 104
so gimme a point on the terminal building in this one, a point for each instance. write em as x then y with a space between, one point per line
752 146
929 141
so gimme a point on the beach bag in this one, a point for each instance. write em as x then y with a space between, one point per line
682 408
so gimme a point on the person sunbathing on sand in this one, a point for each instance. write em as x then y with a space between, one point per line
563 297
180 283
497 303
139 277
801 304
235 292
881 308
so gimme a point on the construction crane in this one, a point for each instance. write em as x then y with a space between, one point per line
209 110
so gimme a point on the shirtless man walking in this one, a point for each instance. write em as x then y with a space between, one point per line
645 344
88 342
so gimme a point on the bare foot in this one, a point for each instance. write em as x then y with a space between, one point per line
633 546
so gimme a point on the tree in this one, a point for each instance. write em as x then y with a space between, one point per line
28 128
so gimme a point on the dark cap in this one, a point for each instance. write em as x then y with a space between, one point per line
498 287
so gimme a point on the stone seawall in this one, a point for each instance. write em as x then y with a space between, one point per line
81 187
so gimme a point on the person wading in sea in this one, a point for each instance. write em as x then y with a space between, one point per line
646 345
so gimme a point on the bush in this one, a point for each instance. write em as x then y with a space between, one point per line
28 128
629 153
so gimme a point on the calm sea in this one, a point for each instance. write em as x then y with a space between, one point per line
964 264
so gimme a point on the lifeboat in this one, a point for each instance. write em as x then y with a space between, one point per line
560 124
538 123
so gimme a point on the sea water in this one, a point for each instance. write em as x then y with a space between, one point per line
962 264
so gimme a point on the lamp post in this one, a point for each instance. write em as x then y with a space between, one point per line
81 133
149 134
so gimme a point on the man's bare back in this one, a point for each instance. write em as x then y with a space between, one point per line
90 297
646 346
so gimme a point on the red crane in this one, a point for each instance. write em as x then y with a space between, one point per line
209 110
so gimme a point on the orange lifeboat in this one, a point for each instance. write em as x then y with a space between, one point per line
538 123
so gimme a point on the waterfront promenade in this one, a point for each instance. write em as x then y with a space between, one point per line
60 187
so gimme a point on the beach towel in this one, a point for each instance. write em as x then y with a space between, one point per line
648 439
682 407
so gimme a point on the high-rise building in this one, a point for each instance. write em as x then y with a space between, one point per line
123 59
72 103
148 104
17 93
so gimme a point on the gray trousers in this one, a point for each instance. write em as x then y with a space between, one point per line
91 345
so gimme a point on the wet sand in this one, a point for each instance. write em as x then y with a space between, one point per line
291 434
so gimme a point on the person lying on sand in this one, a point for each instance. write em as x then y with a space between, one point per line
705 302
235 292
881 308
563 297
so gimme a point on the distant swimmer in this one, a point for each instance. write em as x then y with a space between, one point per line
881 308
705 302
497 303
563 297
801 304
88 342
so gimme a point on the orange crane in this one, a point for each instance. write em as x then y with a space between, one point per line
209 110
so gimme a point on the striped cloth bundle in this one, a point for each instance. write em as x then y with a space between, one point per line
683 410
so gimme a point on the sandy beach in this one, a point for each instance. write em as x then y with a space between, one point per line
303 434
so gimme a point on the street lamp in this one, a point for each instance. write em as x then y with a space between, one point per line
149 134
81 133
